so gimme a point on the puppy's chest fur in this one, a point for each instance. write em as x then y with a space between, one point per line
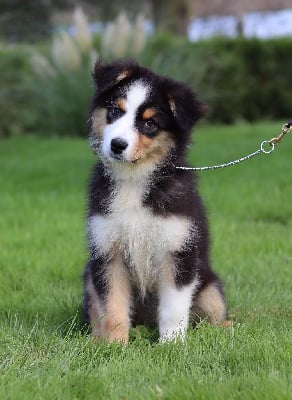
146 242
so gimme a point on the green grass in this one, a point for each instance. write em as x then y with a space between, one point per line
45 352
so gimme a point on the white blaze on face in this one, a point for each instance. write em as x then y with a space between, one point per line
124 127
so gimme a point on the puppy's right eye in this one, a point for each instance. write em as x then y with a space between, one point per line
114 113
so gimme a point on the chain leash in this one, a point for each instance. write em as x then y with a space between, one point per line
286 128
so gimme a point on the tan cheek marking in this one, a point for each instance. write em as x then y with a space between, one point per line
143 146
99 121
144 142
148 113
154 149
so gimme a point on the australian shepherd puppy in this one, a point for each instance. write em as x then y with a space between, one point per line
147 228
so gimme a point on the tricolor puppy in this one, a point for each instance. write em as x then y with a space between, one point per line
147 228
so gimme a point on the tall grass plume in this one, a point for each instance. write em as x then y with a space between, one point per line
63 78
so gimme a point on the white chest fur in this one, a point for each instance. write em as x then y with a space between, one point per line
146 240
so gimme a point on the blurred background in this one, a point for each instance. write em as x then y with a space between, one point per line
237 55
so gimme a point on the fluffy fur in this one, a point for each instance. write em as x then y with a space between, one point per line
147 228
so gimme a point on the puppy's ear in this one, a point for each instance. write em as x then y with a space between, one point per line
106 76
185 107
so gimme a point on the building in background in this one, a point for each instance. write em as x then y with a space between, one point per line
199 19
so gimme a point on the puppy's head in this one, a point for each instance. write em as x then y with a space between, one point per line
139 116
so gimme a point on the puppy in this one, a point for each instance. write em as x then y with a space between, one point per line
147 228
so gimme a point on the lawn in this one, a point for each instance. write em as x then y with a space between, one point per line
45 352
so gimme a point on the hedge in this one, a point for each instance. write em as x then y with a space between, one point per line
239 79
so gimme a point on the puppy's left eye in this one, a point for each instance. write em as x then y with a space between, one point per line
150 125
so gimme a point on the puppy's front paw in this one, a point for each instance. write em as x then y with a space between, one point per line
172 335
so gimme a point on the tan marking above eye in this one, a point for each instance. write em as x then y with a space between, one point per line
122 104
148 113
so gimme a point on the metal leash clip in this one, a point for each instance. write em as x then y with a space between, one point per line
286 128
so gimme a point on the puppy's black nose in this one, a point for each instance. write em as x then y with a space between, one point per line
118 145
